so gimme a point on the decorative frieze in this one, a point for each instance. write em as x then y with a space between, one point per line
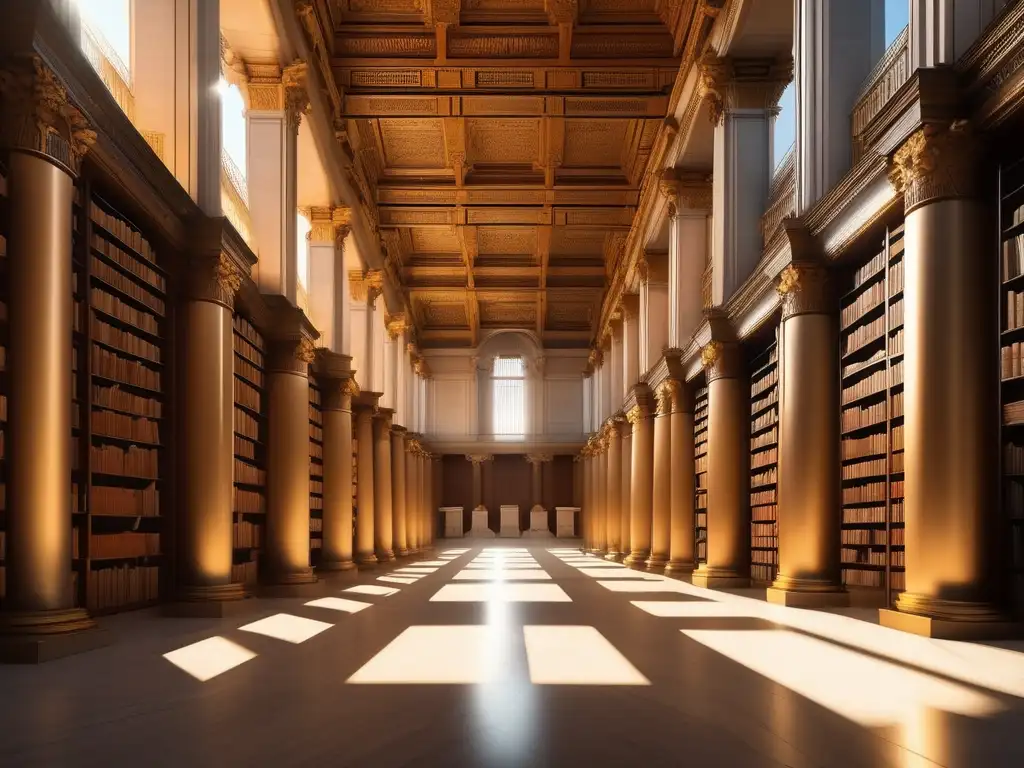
936 163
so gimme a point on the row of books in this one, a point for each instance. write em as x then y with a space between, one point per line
314 400
761 529
700 464
113 545
246 535
863 335
896 314
858 578
850 556
248 474
852 368
869 385
897 404
766 382
107 274
111 366
768 477
247 395
127 462
245 573
896 277
128 262
316 525
245 449
246 425
897 437
771 437
763 421
124 340
762 572
1013 413
860 447
764 458
864 536
765 556
315 415
122 400
109 588
119 425
700 520
896 489
1011 365
249 372
858 494
869 270
111 305
864 303
896 347
763 497
249 502
121 229
316 450
872 468
248 332
770 399
246 352
316 433
127 502
764 514
860 416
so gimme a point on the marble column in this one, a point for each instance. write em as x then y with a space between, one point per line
950 433
741 96
536 462
613 489
809 495
337 388
411 510
600 535
689 206
383 534
365 556
625 475
728 563
399 511
661 496
641 485
286 543
39 620
682 555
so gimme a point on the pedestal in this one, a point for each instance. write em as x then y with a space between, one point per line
480 528
510 522
452 522
565 522
539 524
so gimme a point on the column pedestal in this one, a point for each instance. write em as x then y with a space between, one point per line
642 479
728 563
337 390
365 556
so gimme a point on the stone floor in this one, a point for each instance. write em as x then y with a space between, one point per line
517 654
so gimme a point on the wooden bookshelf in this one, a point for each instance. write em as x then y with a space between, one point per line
871 421
1011 370
119 381
764 462
250 450
316 474
700 453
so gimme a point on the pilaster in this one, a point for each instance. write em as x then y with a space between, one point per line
689 205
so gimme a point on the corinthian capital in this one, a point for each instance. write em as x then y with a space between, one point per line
803 289
936 163
728 83
296 94
39 118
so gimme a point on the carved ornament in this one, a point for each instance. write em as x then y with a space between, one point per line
728 83
290 354
936 163
357 285
296 95
635 415
538 458
668 397
396 325
479 458
721 360
215 279
803 290
39 118
374 284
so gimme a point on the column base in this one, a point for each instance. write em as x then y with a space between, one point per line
385 556
402 552
794 598
598 552
335 566
656 563
366 560
614 556
947 619
719 578
679 567
207 602
35 637
296 584
636 559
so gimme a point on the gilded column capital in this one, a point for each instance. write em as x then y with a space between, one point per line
357 286
667 394
721 360
296 95
216 279
374 284
936 163
39 118
479 458
728 83
538 458
596 358
803 289
290 354
668 185
636 414
396 325
337 393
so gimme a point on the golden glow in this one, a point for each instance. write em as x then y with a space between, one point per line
457 655
210 657
695 609
518 566
371 589
398 579
501 574
421 571
641 586
433 562
576 656
339 604
501 592
621 573
284 626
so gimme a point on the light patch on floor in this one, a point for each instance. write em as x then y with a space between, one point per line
397 579
501 592
414 569
694 609
432 562
371 589
339 604
481 574
576 656
284 626
621 573
599 564
518 566
459 655
639 585
210 657
455 552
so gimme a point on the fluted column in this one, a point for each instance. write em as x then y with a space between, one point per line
661 496
641 478
728 563
337 392
950 433
681 486
809 500
286 543
39 611
613 492
365 556
383 540
625 475
411 513
399 511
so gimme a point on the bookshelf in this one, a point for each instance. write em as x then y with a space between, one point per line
1011 370
250 474
700 453
120 357
316 474
871 421
764 458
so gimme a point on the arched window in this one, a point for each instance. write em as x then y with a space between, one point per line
509 402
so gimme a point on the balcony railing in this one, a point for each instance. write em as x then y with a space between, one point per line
889 74
113 72
705 287
234 197
781 196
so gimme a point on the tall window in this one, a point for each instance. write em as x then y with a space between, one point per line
784 132
232 126
509 376
302 228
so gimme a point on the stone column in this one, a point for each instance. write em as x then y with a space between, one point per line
661 496
689 206
47 138
383 533
587 496
741 96
950 433
641 483
536 462
399 511
478 478
630 341
653 309
328 281
809 495
600 534
682 555
728 563
286 542
625 494
613 489
411 510
365 556
423 473
277 100
337 392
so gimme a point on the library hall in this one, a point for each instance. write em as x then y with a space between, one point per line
512 383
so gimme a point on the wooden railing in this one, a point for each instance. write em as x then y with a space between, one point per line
889 74
781 196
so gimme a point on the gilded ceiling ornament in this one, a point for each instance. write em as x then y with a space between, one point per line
936 163
374 284
39 118
479 458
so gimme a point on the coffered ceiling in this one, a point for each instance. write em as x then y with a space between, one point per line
505 143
